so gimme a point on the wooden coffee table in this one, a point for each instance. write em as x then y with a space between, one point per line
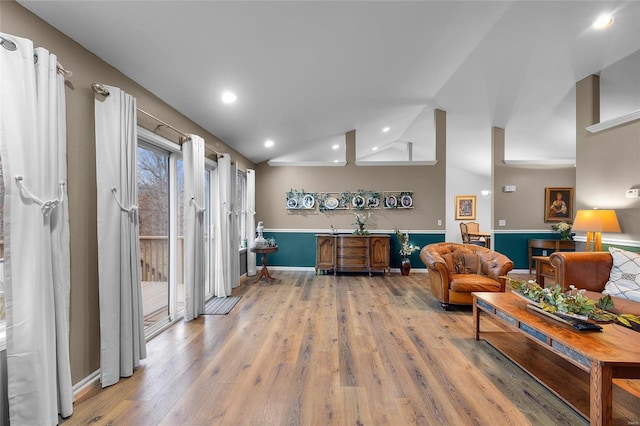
570 363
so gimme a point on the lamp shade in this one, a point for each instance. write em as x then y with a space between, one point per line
596 221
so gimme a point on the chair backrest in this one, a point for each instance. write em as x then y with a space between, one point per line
473 227
464 233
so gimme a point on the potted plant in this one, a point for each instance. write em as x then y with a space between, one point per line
406 250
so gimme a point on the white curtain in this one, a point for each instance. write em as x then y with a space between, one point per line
234 228
194 202
34 158
222 227
251 221
122 340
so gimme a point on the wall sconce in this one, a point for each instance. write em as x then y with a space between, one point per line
486 194
595 222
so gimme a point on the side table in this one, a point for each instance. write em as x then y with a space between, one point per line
264 251
544 269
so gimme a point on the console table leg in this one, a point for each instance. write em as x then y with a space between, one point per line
600 393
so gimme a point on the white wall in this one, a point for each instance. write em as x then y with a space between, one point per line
462 182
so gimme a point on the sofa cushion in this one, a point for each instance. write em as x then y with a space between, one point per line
624 278
466 283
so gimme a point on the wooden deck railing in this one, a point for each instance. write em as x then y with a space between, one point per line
154 258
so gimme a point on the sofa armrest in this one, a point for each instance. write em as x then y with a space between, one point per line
438 273
496 265
588 270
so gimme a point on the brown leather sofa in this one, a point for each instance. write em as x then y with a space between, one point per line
455 270
589 271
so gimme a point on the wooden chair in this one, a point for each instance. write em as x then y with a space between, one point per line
464 231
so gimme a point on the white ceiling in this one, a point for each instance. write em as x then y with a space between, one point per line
306 72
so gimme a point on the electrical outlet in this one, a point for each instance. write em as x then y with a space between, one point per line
632 193
502 222
439 222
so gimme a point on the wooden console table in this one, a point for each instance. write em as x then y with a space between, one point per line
568 362
553 245
352 253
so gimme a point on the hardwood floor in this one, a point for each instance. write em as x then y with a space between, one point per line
317 350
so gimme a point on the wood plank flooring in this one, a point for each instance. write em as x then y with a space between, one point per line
319 350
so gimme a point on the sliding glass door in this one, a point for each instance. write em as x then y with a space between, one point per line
161 212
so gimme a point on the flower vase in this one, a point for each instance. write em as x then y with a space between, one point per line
405 266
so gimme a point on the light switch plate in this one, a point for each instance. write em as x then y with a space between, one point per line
632 193
502 222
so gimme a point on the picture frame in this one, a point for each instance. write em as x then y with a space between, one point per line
465 207
558 204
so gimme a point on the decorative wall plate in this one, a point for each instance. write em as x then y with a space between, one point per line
292 203
308 201
406 201
358 202
373 202
390 202
331 203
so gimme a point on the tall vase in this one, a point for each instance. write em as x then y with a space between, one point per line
405 266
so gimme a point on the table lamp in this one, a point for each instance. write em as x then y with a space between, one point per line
595 222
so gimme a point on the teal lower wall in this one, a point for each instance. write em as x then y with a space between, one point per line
298 249
516 246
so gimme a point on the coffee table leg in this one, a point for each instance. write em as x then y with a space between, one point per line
600 393
476 318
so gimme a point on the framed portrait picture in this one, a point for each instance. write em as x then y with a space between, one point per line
558 204
465 207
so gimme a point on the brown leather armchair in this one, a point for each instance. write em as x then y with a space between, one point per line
456 270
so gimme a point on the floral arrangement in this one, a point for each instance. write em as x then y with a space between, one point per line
564 229
361 221
406 248
555 300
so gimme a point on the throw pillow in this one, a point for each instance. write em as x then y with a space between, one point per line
624 279
467 263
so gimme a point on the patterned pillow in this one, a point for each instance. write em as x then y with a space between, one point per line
624 279
468 263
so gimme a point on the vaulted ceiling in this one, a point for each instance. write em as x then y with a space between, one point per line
306 72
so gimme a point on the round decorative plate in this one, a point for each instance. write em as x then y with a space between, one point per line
358 201
406 201
373 202
390 201
292 203
308 201
331 203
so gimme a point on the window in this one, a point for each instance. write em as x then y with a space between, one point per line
161 209
241 203
2 311
209 215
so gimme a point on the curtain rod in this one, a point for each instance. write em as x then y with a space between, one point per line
101 90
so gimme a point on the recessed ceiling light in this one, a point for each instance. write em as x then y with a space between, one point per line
336 146
386 129
375 148
229 97
268 143
603 22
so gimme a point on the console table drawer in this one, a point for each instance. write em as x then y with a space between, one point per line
353 242
352 251
359 262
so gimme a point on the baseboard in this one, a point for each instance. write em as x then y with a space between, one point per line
85 385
